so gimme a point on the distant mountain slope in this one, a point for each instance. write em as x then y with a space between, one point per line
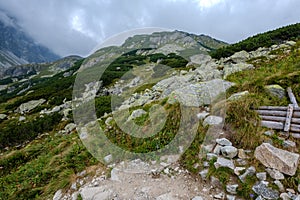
16 47
267 39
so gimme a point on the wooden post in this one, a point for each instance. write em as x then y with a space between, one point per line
288 119
292 97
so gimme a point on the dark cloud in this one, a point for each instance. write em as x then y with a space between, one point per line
77 26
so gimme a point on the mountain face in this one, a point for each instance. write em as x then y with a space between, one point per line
16 47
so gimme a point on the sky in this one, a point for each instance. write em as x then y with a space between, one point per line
77 26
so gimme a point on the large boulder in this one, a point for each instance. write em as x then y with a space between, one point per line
30 105
272 157
233 68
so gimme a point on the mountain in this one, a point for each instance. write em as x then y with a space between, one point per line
17 47
51 150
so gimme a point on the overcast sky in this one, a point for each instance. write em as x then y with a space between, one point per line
77 26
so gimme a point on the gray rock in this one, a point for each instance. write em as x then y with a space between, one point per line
167 196
58 195
197 198
22 118
230 197
96 193
269 133
285 196
262 176
276 90
279 185
223 142
240 56
291 43
288 144
249 172
217 149
298 188
202 115
229 151
108 158
296 135
265 192
215 182
28 106
223 162
237 96
108 120
70 127
210 156
212 120
242 154
232 188
272 157
137 113
2 116
203 174
233 68
219 196
238 170
275 174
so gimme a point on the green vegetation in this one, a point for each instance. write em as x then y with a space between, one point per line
42 167
291 32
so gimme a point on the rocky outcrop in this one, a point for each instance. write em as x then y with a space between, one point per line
276 90
28 106
282 160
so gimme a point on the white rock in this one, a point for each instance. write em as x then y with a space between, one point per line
197 198
212 120
232 188
58 195
223 142
2 116
229 151
275 174
223 162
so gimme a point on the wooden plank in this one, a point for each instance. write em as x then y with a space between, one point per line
288 119
272 125
273 118
292 97
279 108
295 129
272 113
296 120
296 114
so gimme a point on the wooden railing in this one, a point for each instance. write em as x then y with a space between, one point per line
286 118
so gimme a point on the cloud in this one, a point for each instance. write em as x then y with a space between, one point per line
77 26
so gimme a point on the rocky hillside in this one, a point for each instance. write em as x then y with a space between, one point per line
152 93
16 47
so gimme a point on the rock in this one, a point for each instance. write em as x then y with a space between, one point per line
223 162
237 96
242 154
275 90
298 188
296 135
200 59
230 197
237 170
215 182
108 158
70 127
2 116
210 156
96 193
22 118
223 142
203 174
137 113
291 43
197 198
269 133
288 144
272 157
28 106
217 149
264 191
167 196
233 68
249 172
240 56
262 176
279 185
108 120
219 196
58 195
229 151
285 196
212 120
275 174
202 115
232 188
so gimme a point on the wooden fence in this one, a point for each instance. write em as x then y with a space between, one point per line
286 118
